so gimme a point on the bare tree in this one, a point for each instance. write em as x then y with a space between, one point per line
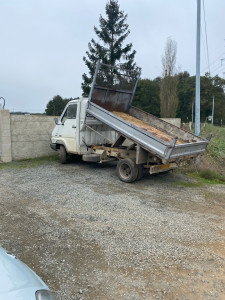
169 83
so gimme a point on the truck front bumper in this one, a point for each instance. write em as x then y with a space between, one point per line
53 146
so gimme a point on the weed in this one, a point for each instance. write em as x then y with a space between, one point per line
211 175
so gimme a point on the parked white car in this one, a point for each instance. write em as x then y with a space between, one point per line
19 282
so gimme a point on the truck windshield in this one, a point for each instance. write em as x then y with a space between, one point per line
70 113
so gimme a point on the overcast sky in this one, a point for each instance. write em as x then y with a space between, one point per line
43 43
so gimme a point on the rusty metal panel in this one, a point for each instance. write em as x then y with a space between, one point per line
111 100
164 126
113 88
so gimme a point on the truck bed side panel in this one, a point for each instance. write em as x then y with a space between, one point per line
147 140
163 125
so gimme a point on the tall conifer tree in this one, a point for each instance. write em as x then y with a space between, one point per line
111 34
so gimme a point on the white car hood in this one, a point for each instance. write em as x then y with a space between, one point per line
16 277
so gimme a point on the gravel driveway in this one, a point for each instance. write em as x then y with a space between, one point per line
91 236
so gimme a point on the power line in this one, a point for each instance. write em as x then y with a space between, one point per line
218 68
214 61
206 35
213 53
219 46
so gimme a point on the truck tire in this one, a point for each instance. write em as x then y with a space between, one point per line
62 154
140 172
127 170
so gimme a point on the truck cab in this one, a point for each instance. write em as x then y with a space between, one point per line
75 131
65 131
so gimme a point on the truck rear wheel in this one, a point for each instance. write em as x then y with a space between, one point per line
127 170
140 172
63 154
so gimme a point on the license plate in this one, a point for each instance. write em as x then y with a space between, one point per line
161 168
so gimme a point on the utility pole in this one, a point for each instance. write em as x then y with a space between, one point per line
192 115
213 102
222 60
197 90
212 109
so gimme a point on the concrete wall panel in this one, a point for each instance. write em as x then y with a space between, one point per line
5 136
30 135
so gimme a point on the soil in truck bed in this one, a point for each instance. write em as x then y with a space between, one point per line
144 126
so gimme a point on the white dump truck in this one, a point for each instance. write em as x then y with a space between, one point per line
106 127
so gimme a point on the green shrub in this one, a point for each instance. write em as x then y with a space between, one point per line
216 148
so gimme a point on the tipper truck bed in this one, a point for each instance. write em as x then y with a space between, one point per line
111 128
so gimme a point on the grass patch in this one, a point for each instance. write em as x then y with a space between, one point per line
211 169
29 163
201 177
216 148
207 176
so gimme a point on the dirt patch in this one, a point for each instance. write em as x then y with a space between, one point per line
90 236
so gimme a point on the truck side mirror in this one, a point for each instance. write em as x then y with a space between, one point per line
56 121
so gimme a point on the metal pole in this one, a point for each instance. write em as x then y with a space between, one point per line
94 80
212 109
192 114
197 90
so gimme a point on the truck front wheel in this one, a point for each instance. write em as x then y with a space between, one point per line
62 154
127 170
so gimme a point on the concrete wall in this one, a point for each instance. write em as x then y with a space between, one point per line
5 136
24 136
30 135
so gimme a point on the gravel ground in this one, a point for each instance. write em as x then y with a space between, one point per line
90 236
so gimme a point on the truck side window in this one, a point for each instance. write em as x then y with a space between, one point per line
70 113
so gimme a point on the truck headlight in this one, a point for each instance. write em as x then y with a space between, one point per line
44 295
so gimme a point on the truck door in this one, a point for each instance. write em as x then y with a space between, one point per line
67 128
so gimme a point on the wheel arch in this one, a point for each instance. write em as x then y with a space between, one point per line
59 143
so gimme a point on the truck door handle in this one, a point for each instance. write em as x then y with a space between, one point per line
74 126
